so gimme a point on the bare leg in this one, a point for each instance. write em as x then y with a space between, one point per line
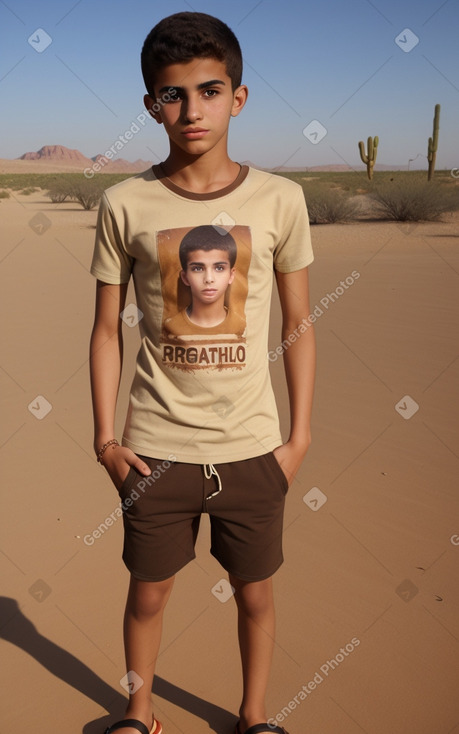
143 620
256 629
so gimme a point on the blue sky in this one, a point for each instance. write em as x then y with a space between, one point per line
333 61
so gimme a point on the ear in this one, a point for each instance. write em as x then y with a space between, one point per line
233 273
184 278
239 99
149 103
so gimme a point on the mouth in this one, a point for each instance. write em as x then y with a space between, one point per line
194 133
209 291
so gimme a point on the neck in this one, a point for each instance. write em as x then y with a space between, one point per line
202 173
208 315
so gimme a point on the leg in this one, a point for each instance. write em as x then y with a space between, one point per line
256 628
142 636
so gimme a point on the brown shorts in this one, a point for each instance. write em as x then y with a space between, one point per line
161 515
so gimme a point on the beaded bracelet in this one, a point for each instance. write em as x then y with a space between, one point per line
102 450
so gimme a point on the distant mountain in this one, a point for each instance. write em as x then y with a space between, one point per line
121 165
55 153
59 158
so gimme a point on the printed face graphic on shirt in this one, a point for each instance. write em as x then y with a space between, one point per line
204 287
208 275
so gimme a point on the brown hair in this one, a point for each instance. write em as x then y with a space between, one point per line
207 237
181 37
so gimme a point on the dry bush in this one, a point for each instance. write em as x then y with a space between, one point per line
415 201
59 191
329 206
29 190
85 192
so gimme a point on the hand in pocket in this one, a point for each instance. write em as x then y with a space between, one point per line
118 461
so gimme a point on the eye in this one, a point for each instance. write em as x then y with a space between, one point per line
209 93
173 96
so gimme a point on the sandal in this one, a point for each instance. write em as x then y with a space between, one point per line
259 728
135 724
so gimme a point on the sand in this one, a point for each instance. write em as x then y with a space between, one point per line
367 598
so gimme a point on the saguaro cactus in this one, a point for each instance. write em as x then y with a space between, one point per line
370 157
433 143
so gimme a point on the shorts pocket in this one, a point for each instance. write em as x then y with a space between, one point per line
127 483
277 469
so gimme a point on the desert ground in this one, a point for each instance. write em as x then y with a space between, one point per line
367 599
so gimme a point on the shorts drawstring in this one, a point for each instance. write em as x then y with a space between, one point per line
209 471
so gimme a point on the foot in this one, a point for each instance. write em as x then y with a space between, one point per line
241 729
245 722
143 714
129 727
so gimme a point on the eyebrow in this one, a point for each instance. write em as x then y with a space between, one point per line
218 262
204 85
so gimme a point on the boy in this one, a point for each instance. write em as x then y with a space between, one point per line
218 423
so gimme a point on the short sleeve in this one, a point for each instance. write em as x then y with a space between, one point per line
294 250
110 262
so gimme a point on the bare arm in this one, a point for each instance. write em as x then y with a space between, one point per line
299 364
106 357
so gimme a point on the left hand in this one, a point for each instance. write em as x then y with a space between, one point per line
290 457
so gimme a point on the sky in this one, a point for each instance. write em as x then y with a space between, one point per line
322 75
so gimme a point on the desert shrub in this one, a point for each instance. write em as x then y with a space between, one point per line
87 193
415 201
4 194
59 191
329 206
28 190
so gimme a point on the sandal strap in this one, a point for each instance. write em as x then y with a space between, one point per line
133 723
259 728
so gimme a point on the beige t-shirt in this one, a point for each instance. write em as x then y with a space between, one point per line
202 394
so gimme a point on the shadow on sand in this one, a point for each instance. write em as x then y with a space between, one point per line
18 630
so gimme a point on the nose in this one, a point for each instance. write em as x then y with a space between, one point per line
192 110
208 277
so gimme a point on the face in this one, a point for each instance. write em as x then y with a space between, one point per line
208 274
196 117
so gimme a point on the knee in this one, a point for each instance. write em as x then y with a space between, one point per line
254 599
146 598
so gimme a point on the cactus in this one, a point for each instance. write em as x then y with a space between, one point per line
433 143
369 158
